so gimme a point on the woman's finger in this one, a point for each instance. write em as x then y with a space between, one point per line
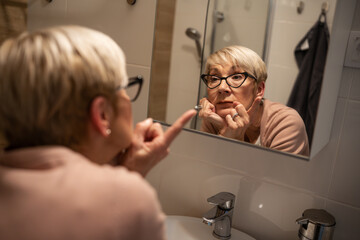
230 121
240 109
255 106
154 131
141 129
238 116
175 129
207 108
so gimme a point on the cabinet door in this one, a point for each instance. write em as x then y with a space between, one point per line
42 13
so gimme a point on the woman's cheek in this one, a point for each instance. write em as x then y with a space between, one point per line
211 96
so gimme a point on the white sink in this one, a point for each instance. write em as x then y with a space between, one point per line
191 228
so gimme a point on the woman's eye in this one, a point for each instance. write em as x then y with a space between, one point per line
237 77
213 78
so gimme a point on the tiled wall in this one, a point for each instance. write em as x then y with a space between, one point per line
272 189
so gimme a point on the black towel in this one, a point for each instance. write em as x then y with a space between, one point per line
310 55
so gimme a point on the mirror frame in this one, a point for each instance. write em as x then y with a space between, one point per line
331 84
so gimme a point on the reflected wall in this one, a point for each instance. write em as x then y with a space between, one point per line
288 28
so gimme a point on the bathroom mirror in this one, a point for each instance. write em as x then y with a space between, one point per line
272 28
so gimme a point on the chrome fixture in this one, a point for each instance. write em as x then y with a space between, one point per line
195 35
221 214
316 224
219 16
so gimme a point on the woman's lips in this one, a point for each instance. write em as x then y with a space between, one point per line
225 104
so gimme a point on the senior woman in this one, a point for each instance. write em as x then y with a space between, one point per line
235 108
65 113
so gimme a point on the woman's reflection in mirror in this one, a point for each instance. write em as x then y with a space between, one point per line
235 106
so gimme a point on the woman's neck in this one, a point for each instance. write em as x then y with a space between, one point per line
96 152
253 131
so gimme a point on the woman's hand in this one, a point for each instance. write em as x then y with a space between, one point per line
150 143
239 120
211 121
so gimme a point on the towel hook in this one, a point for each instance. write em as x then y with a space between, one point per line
300 7
324 7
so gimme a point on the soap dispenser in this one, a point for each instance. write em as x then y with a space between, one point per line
316 224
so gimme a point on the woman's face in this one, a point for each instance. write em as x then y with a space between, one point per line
122 126
223 96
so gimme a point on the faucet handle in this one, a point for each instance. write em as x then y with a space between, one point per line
223 200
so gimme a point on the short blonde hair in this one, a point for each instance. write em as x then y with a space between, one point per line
48 80
239 56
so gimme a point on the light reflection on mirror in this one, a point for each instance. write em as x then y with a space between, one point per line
176 68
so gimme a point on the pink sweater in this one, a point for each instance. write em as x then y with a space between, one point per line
283 129
54 193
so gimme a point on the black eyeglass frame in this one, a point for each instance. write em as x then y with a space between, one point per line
225 78
132 81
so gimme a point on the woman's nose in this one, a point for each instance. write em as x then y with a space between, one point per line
224 87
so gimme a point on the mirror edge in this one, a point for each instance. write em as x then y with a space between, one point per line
298 156
342 22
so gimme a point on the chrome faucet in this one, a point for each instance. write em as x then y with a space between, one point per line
221 214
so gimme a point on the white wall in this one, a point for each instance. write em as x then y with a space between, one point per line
272 189
131 26
244 24
185 65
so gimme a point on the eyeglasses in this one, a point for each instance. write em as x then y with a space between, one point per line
133 88
234 80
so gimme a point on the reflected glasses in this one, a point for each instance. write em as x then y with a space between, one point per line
133 88
234 80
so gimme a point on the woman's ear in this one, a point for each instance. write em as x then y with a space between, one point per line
260 91
100 115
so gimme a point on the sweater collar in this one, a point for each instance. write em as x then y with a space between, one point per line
44 157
